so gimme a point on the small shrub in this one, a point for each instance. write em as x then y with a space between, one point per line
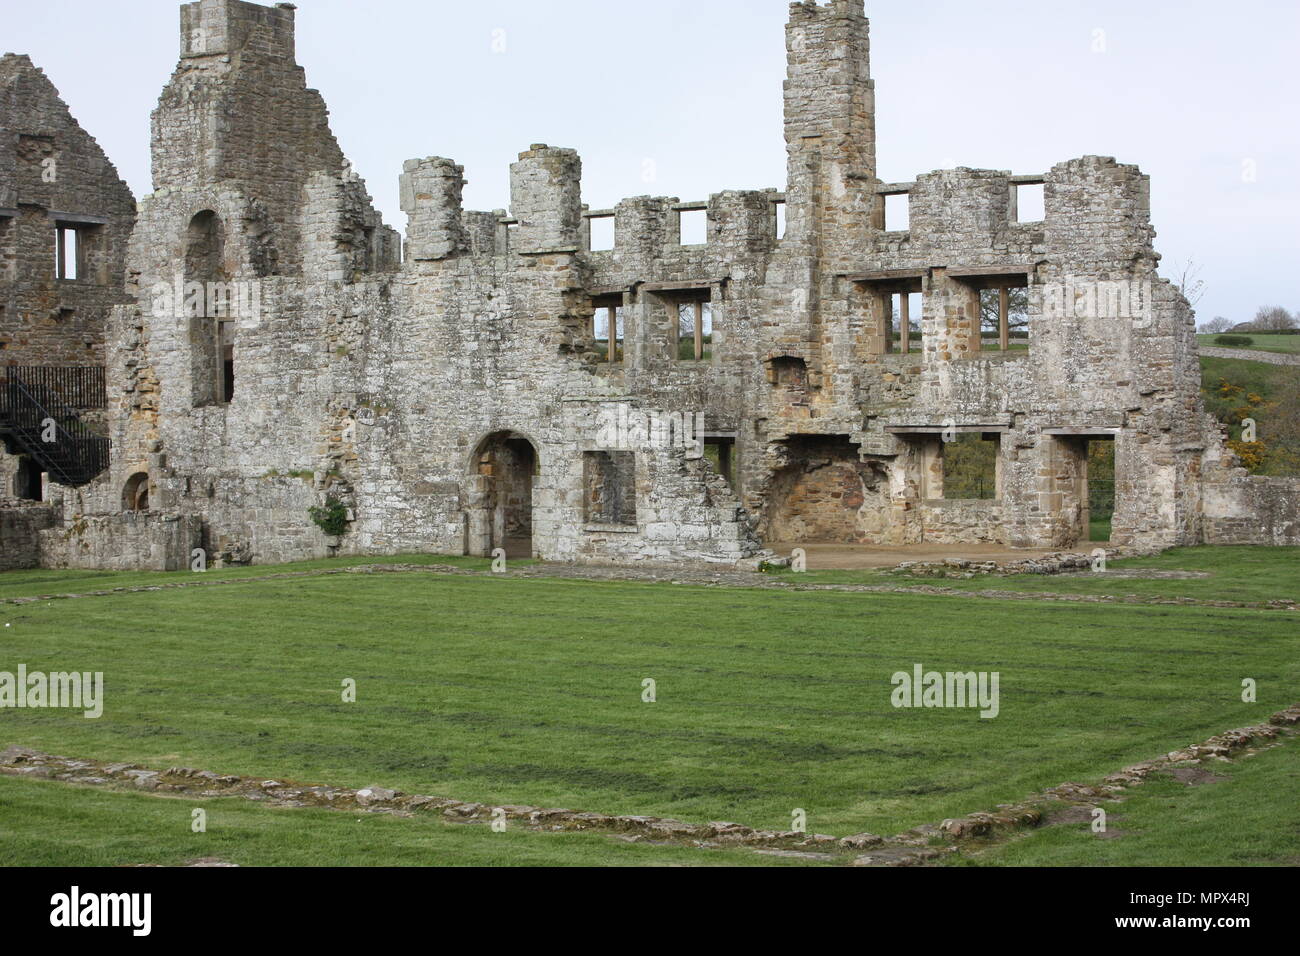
332 518
1252 454
1233 340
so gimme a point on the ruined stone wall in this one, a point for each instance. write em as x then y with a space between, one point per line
139 541
21 524
52 171
459 402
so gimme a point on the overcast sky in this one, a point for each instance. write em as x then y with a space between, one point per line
1202 95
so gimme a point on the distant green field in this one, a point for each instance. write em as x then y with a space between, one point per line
1260 342
529 691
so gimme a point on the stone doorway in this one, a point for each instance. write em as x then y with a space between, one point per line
500 514
28 480
1081 487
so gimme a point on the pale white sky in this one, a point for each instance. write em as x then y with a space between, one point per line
1195 92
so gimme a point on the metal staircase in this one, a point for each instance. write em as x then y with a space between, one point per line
36 419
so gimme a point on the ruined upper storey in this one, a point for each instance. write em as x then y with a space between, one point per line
237 127
65 216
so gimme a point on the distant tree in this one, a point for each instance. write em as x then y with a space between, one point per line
1017 310
1216 325
1273 318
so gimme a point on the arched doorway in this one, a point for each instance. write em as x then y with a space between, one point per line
135 494
500 512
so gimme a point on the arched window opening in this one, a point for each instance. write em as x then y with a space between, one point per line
135 495
208 302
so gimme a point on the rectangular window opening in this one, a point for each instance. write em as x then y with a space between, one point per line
602 233
1004 319
898 212
695 329
694 227
970 468
608 331
609 480
903 315
226 350
69 262
721 454
780 219
1030 200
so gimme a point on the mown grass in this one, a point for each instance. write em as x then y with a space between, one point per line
1249 818
55 824
1261 342
40 582
529 691
1245 574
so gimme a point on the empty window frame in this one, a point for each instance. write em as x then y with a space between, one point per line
693 228
609 481
1004 317
70 253
779 215
892 305
600 233
135 493
1028 202
608 331
694 327
898 212
970 467
721 453
226 350
903 313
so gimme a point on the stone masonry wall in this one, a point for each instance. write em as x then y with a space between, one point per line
457 400
21 525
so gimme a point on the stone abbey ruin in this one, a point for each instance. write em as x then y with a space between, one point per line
249 362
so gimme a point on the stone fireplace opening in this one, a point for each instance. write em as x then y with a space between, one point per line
824 493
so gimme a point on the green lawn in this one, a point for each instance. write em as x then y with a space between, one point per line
1244 574
62 825
1261 342
528 691
1099 529
41 582
1236 821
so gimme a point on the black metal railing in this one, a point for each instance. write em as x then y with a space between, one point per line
35 420
78 386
